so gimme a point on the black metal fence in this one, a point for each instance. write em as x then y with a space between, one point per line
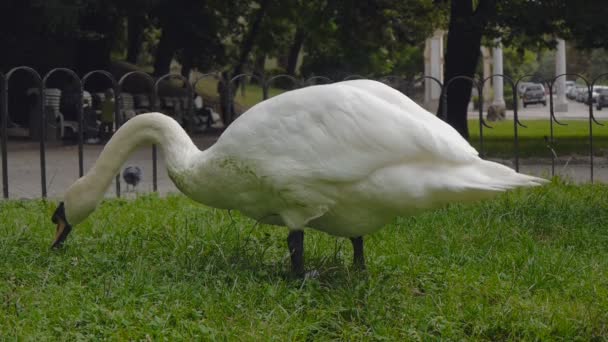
404 84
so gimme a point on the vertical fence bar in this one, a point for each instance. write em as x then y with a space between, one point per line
190 107
590 100
234 83
42 109
81 129
480 106
118 123
38 81
156 107
154 168
592 120
79 114
265 87
116 90
190 113
551 132
230 101
4 132
515 129
515 118
153 105
194 85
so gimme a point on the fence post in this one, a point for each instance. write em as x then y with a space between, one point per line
515 127
40 86
592 120
79 113
190 114
111 78
150 81
480 107
4 132
43 139
238 78
118 121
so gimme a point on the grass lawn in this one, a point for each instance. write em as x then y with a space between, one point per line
252 95
531 264
569 140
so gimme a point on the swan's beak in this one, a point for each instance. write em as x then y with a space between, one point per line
63 227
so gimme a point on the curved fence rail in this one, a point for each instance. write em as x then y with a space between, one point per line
288 82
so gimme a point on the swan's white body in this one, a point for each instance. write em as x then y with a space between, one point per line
344 158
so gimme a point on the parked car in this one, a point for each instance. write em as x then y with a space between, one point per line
521 87
602 98
582 94
569 85
534 93
595 93
572 91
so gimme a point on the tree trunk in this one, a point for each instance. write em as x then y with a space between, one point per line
164 52
249 41
225 106
136 24
462 55
294 51
259 64
187 62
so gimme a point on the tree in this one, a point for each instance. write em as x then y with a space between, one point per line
521 23
366 37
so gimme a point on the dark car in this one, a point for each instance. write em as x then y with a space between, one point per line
534 93
602 98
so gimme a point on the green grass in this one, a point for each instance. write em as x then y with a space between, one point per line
572 139
529 265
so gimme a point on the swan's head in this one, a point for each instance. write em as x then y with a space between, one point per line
77 205
63 227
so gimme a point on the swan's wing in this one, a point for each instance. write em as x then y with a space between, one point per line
341 133
397 98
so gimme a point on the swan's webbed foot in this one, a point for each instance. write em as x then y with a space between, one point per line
358 258
295 242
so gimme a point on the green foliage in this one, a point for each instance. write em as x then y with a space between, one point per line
370 38
530 265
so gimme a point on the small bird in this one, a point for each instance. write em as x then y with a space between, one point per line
132 176
344 158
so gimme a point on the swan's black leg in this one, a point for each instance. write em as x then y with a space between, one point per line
295 241
358 259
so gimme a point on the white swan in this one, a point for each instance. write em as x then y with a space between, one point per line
344 158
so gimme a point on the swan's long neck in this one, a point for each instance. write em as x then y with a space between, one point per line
145 129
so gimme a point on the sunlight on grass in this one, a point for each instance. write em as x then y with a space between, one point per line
529 265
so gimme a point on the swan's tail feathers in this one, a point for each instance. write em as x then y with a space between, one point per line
481 180
497 177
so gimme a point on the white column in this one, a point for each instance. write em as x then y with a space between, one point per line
560 102
433 66
487 71
498 82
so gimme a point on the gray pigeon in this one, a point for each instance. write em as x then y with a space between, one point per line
132 176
